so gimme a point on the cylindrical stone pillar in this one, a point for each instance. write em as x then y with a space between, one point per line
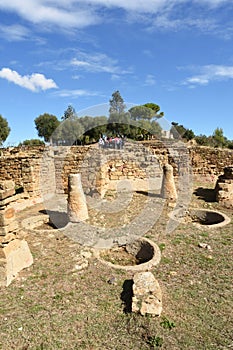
77 207
168 190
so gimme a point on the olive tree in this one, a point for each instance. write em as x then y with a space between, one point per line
4 130
46 124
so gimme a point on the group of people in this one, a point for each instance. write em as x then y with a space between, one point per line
116 142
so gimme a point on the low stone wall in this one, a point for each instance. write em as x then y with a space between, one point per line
100 166
37 170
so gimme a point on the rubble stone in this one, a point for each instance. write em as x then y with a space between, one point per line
147 294
14 257
224 188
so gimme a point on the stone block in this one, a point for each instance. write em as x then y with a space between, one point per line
147 294
12 227
17 257
6 193
7 189
7 185
6 216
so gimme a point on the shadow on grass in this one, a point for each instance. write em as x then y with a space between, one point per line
126 296
206 194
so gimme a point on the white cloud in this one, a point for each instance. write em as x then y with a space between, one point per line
67 14
34 82
150 80
75 93
210 73
14 32
81 13
97 63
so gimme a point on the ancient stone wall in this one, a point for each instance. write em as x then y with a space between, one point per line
39 169
202 160
99 166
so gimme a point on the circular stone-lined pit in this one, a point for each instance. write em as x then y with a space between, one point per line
209 218
44 223
201 217
140 255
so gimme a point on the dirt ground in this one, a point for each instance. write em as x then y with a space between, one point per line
55 304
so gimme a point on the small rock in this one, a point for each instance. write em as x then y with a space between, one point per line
205 246
86 254
173 273
112 280
82 264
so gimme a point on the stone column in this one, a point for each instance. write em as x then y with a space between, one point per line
77 207
168 190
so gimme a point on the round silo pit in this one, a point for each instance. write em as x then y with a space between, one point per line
44 223
208 218
140 255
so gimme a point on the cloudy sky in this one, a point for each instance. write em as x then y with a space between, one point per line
176 53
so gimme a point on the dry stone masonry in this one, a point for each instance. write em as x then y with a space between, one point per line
224 188
42 170
7 212
15 254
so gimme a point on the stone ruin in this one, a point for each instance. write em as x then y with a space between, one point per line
147 294
168 189
224 188
15 254
77 207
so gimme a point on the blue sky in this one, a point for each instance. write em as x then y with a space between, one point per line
176 53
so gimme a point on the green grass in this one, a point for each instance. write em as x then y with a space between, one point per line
50 306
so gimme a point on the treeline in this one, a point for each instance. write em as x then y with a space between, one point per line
138 123
217 139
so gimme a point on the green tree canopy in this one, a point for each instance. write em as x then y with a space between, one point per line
179 131
69 132
32 142
117 105
69 113
141 113
4 129
218 137
155 108
94 127
46 124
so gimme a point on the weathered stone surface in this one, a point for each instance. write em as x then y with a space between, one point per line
7 189
17 257
77 207
12 227
168 190
147 294
8 238
6 216
224 188
7 185
46 169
